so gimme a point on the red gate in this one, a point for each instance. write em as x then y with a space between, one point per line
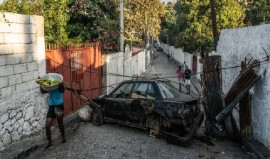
81 67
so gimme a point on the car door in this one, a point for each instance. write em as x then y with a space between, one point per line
142 99
116 105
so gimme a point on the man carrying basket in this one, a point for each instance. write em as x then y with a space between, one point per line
56 107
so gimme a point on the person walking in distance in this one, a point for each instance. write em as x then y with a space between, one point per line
56 107
180 77
184 66
187 79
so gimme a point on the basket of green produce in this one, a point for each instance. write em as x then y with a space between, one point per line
50 81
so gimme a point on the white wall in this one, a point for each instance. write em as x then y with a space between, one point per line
22 60
234 46
113 68
179 55
147 58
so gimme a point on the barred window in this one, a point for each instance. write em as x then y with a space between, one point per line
76 60
76 65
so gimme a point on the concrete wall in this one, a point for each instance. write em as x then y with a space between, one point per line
234 46
22 60
178 55
147 58
114 64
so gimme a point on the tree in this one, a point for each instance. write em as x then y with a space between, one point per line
258 11
214 23
72 21
196 27
55 15
169 25
143 17
94 20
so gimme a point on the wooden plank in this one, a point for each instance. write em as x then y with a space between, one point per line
245 111
226 111
245 116
212 85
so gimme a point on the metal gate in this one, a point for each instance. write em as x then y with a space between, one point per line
81 67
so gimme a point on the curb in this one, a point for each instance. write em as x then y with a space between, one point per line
27 152
21 149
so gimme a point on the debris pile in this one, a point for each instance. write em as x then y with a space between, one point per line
219 120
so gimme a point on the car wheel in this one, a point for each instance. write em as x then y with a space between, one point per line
213 131
97 117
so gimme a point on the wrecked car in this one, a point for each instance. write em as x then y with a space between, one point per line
153 105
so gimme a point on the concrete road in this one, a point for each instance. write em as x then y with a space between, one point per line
111 141
165 69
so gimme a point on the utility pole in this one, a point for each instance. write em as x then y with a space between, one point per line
122 34
167 42
214 23
121 25
132 34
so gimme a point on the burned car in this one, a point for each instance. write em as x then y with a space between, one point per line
154 105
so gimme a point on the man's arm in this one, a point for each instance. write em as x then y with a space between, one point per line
62 87
42 90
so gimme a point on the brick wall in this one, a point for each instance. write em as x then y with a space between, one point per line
234 46
22 60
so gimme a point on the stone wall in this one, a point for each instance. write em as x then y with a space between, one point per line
114 66
234 46
22 60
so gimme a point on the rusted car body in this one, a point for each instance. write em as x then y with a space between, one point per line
154 105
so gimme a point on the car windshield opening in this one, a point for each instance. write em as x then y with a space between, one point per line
168 90
123 91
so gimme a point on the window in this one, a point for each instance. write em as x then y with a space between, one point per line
123 91
168 90
76 65
143 90
139 90
150 93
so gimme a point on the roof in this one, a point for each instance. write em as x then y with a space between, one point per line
135 51
145 80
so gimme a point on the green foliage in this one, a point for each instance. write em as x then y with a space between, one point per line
258 11
169 26
143 16
76 21
55 15
72 21
94 21
194 24
10 6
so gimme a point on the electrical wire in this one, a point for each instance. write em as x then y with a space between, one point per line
94 70
265 59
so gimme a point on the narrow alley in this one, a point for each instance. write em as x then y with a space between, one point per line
111 141
166 69
106 73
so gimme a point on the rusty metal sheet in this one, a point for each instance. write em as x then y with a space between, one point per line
211 83
60 58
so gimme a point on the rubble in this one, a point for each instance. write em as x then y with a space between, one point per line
218 109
